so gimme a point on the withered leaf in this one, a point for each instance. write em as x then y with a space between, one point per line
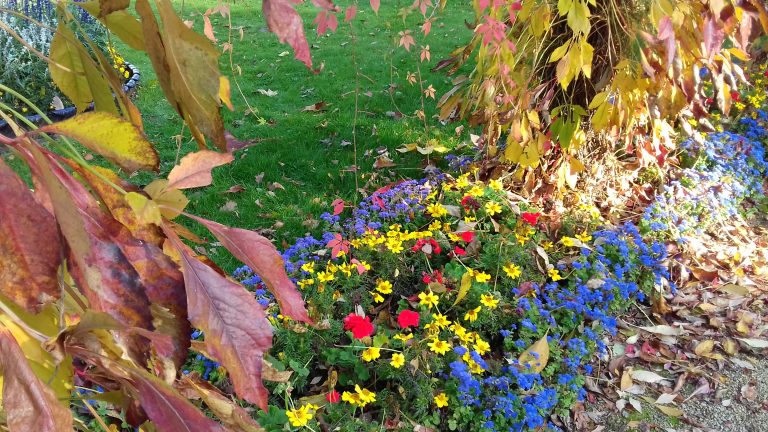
194 170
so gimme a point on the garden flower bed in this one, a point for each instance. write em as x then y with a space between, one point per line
449 304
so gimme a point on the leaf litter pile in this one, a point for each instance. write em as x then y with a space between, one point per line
691 343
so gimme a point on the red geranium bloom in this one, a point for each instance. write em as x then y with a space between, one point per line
359 326
408 318
333 396
735 95
459 251
530 218
467 236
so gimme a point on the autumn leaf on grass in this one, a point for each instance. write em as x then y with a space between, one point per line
194 170
28 403
237 333
112 137
262 257
30 247
285 22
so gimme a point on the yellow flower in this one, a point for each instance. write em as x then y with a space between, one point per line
398 360
584 237
476 191
441 400
440 320
428 299
482 277
567 241
435 226
352 398
492 208
308 267
439 346
384 287
462 181
436 210
512 270
300 416
403 337
325 276
547 245
366 396
471 314
482 346
377 298
496 185
555 275
371 354
489 301
305 282
521 240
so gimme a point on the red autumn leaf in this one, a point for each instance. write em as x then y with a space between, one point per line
30 248
426 27
285 22
237 333
406 40
99 266
375 5
262 257
350 13
408 318
338 206
194 170
359 266
326 20
338 245
29 404
359 326
168 410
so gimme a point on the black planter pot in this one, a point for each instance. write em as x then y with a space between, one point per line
62 114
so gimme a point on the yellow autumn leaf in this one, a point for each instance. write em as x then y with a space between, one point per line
224 90
171 201
466 284
535 358
145 209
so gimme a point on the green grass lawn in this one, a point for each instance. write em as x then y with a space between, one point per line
307 157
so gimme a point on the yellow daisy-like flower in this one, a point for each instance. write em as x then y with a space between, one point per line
308 267
435 225
471 314
325 276
428 299
554 274
366 396
305 283
377 298
440 320
521 239
492 208
439 346
482 346
476 191
436 210
299 417
403 337
371 354
462 181
512 270
584 237
398 360
567 241
547 245
489 301
384 287
352 398
482 277
441 400
496 185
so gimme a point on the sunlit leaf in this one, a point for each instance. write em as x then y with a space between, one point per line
112 137
171 201
232 415
194 170
285 22
535 358
466 284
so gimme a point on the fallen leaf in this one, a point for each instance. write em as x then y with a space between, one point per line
535 358
670 411
383 161
646 376
755 343
319 106
267 92
235 189
664 330
229 207
665 398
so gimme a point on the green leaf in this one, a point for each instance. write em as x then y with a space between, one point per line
112 137
559 52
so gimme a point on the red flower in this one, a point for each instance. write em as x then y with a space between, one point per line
333 396
530 218
467 236
408 318
459 251
359 326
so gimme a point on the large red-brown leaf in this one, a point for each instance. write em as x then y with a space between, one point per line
237 332
99 266
30 249
168 410
262 257
285 22
28 403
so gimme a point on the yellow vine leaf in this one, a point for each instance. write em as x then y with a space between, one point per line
535 358
171 201
146 210
466 284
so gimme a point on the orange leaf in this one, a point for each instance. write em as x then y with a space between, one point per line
30 248
237 333
285 22
194 170
28 403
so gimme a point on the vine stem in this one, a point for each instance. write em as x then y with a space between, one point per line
357 106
